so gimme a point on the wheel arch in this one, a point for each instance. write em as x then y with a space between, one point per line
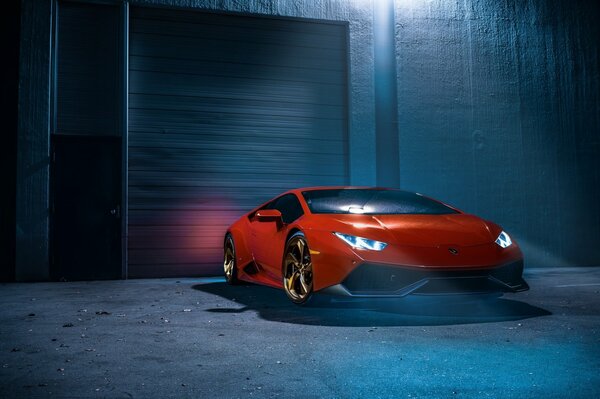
290 233
242 250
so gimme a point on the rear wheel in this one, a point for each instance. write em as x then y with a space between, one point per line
297 270
229 263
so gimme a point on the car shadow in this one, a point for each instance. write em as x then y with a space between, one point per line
273 305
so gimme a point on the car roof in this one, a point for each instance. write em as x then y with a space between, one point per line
300 190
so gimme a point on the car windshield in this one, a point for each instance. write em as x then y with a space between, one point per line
373 202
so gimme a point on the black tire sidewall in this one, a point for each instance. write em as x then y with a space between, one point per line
233 280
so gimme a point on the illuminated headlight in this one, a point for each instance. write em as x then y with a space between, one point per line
503 240
361 243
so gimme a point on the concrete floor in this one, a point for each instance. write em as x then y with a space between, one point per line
201 338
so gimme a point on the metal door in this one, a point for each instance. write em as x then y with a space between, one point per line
86 208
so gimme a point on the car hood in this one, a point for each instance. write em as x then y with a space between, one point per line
415 230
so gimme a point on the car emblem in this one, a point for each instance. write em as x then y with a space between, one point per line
453 251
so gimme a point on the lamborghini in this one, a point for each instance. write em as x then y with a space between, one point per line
369 242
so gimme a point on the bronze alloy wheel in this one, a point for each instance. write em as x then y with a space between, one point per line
297 270
229 266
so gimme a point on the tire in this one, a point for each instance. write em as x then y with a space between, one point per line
229 261
297 270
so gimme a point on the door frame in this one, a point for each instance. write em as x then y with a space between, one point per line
124 137
124 115
55 140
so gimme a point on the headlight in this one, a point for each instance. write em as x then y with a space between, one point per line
503 240
361 243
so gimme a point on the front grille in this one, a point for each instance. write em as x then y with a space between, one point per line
510 274
458 285
383 279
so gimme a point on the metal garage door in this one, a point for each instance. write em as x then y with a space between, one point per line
225 111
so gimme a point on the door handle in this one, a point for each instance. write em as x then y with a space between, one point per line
116 212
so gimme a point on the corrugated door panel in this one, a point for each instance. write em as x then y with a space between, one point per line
88 72
225 112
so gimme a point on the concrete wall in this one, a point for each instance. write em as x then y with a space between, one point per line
8 159
33 143
499 114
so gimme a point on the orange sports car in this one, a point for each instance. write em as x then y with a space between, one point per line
369 242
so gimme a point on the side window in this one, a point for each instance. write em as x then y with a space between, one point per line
270 205
289 206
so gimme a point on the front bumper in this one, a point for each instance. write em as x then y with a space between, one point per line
378 280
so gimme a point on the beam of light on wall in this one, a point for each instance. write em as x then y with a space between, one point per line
386 104
412 4
541 255
364 4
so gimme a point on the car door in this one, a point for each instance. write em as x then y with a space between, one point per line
268 237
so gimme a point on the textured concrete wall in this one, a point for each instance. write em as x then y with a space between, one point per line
8 160
387 162
33 162
499 114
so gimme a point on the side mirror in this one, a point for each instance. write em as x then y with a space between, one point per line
268 215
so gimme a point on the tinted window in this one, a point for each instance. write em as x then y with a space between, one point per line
373 202
289 206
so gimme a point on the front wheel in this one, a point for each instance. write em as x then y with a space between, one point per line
229 263
297 270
